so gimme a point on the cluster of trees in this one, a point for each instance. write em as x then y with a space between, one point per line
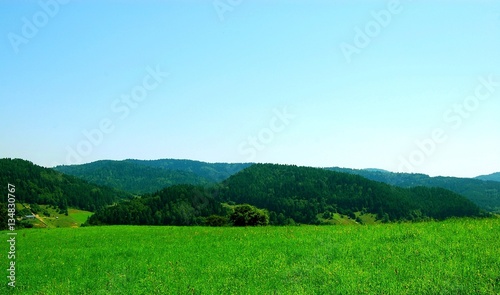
485 194
248 215
175 205
39 185
179 205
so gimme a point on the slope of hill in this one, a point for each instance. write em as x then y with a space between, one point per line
141 176
490 177
35 184
302 193
485 194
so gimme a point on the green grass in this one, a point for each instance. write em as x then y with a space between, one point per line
451 257
339 219
79 216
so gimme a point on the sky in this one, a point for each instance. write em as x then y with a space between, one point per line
405 86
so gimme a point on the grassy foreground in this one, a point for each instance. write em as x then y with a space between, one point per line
451 257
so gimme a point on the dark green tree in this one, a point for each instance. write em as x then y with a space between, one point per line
248 215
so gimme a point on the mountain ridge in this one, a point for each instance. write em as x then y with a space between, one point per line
490 177
147 176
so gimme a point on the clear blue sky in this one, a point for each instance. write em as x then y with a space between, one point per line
359 84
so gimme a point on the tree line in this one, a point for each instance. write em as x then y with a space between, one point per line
180 205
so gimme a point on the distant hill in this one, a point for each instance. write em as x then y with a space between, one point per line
131 176
485 194
35 184
375 170
490 177
147 176
214 172
302 193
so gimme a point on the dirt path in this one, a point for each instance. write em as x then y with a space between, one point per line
40 219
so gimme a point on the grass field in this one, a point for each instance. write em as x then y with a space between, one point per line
79 216
451 257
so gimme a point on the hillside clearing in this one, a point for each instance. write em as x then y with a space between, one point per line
55 219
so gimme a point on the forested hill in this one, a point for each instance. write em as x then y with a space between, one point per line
35 184
214 172
130 176
302 193
147 176
485 194
491 177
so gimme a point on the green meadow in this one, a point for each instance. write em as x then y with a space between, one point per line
459 256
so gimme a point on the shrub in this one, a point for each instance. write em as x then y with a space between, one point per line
247 215
216 220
